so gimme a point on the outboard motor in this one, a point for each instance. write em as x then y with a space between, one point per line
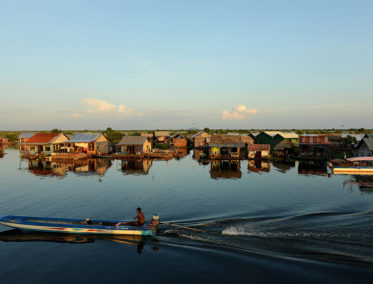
155 220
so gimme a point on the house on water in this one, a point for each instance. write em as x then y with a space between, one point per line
179 141
89 143
274 137
258 151
148 135
318 144
364 148
135 145
161 136
283 149
228 146
23 138
45 143
3 140
200 139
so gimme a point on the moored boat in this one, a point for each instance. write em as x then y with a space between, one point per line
354 166
76 226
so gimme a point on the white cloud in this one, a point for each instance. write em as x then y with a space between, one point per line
124 111
77 115
104 107
240 112
99 105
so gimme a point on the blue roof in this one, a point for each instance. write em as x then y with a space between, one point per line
84 137
26 135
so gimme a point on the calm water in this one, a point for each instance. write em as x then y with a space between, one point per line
264 223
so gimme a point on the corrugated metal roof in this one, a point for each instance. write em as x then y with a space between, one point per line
199 133
84 137
42 138
161 133
132 140
369 143
26 135
285 135
289 135
228 145
145 134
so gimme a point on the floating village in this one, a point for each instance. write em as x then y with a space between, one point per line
55 153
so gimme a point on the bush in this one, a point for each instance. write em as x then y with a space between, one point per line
162 146
12 137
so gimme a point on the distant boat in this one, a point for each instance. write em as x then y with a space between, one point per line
353 166
76 226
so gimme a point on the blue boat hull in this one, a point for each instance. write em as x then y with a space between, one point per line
75 226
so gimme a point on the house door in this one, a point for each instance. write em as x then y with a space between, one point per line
40 149
258 155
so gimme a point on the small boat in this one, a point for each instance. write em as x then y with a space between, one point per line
77 226
354 166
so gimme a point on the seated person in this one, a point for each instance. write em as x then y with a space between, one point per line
139 219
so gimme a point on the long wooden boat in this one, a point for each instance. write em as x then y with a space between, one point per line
76 226
354 166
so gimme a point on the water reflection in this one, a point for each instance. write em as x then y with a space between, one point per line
181 153
57 168
225 169
15 235
201 157
364 182
317 169
257 166
136 167
283 166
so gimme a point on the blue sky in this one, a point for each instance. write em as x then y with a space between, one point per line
178 64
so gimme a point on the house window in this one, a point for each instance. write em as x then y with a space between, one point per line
47 148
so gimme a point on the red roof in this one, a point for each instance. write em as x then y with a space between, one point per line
259 147
42 138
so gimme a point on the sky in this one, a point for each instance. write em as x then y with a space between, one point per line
170 64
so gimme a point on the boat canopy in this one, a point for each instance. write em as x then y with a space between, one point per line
357 159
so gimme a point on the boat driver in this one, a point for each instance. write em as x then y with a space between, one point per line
139 219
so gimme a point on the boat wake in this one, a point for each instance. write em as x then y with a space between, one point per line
325 236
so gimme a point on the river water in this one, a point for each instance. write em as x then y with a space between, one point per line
266 222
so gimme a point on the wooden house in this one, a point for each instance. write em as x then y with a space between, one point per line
3 140
200 139
135 145
258 151
23 138
274 137
161 136
89 143
179 141
148 135
228 146
364 148
318 144
45 143
283 149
